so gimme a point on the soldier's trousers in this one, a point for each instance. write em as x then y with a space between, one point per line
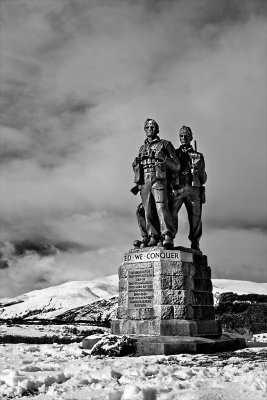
154 197
190 197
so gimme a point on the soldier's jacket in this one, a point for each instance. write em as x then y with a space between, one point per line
191 160
161 170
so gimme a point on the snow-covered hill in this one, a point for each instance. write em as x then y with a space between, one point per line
239 287
58 300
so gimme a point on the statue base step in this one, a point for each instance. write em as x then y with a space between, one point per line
170 327
167 345
146 345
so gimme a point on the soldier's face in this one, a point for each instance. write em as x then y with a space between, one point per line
150 130
185 137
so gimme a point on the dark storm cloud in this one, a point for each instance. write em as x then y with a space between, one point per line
79 78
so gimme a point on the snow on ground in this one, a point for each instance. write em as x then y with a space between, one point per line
68 372
54 371
260 337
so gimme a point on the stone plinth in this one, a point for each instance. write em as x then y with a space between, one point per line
152 345
165 292
166 304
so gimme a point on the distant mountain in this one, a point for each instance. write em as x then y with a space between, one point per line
91 300
239 287
56 300
100 310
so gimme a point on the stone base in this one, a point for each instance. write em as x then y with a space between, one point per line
166 304
167 345
170 327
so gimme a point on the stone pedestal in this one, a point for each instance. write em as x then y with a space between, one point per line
165 297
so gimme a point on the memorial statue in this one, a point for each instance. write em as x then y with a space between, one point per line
190 192
156 173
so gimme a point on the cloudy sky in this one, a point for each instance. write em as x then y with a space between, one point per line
78 79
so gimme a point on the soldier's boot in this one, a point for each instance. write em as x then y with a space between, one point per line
144 242
160 242
153 241
137 244
195 246
168 242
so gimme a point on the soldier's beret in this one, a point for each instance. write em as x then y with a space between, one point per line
186 129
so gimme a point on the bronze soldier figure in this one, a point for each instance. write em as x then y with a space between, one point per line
156 173
190 191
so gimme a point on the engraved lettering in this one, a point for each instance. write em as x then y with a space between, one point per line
140 288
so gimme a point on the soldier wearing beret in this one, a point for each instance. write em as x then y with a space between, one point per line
190 191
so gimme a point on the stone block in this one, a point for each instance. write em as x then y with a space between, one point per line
177 327
171 268
203 298
202 272
170 327
122 312
203 312
167 297
154 327
200 259
123 299
194 312
122 272
183 312
191 270
202 285
146 313
123 284
209 328
182 283
163 311
162 282
208 312
135 313
167 345
163 345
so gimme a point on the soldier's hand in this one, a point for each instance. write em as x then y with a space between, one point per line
194 171
137 160
160 156
175 193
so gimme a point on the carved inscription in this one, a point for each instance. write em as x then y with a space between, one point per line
159 255
140 288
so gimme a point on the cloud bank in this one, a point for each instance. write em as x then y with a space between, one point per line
78 79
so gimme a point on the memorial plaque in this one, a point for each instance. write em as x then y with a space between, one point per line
157 255
140 288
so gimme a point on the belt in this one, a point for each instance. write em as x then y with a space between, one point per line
149 168
185 178
150 175
148 161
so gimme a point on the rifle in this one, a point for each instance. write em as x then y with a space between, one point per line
202 191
